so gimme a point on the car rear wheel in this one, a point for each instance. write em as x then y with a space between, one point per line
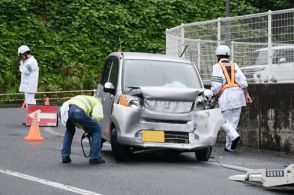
120 152
203 154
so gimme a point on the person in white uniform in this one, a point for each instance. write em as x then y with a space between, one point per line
229 85
29 74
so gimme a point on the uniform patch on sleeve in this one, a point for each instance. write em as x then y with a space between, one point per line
29 68
217 79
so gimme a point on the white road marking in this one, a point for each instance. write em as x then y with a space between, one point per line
238 168
49 183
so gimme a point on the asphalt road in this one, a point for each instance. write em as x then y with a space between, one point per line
36 168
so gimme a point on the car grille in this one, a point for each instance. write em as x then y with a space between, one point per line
249 76
168 106
176 137
166 121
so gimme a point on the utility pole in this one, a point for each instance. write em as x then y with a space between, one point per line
228 6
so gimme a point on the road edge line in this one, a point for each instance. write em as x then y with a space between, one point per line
49 183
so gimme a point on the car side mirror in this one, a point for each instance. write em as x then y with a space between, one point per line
109 88
282 60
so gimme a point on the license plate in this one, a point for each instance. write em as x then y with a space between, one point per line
153 136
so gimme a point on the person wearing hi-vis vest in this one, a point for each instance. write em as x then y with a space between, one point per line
29 74
229 85
85 112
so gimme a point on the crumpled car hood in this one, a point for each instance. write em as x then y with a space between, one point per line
172 94
169 100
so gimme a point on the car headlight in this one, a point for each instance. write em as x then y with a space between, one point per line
130 101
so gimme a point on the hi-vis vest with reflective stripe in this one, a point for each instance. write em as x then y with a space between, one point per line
86 103
230 82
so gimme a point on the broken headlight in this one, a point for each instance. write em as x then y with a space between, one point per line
130 101
205 101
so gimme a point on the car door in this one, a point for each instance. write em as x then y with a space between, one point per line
101 94
110 74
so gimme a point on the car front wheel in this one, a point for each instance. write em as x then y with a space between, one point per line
120 152
203 154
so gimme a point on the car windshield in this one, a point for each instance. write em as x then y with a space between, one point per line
139 73
262 58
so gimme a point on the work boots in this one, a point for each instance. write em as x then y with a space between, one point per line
96 161
66 159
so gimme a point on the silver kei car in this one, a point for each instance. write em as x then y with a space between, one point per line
155 101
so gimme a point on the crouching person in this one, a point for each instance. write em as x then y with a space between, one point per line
85 112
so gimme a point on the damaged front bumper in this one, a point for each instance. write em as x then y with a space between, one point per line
180 131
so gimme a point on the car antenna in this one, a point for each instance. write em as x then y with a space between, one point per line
184 50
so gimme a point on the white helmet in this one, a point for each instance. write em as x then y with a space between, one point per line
222 50
22 49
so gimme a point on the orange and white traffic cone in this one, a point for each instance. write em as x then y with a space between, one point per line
34 132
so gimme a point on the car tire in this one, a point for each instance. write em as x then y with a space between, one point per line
120 152
203 154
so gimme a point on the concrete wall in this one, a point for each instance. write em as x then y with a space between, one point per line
269 122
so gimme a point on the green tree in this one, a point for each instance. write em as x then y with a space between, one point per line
71 38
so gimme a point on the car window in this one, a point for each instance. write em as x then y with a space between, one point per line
106 71
262 58
288 54
113 78
139 73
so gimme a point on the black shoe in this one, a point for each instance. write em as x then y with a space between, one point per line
227 150
66 159
96 161
235 143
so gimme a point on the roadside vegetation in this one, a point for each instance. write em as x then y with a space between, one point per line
71 38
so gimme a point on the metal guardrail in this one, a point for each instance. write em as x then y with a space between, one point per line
55 96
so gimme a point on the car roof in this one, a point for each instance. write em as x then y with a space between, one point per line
149 56
277 47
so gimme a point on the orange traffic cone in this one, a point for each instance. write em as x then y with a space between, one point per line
23 104
47 101
34 132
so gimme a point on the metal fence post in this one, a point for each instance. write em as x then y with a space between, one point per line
232 50
198 54
218 31
182 38
270 51
166 41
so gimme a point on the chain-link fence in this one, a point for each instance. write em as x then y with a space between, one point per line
261 44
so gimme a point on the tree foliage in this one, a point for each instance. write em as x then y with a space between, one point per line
71 38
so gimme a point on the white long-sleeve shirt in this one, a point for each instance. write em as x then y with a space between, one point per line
231 97
29 75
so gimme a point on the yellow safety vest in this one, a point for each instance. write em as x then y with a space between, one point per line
230 82
86 103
